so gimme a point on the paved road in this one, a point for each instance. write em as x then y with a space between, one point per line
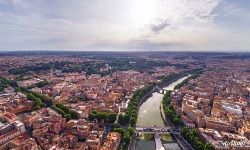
183 143
180 140
158 143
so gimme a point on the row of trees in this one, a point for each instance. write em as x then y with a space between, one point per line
123 119
193 71
103 116
39 84
126 136
65 111
169 110
44 101
38 67
193 76
191 136
141 65
40 100
171 78
65 66
131 114
5 83
174 76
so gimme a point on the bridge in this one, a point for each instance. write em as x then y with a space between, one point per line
161 130
157 130
159 90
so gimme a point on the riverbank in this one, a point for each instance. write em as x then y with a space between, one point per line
151 116
143 100
163 116
151 112
165 81
171 115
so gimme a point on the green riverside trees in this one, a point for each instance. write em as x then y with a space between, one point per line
105 116
191 136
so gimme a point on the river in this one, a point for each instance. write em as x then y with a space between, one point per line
150 115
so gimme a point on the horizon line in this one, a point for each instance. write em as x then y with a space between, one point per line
178 51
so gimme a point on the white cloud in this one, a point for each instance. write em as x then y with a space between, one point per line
130 24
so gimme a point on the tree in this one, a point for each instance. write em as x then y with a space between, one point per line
30 96
130 130
126 118
91 116
111 117
132 121
61 112
37 107
49 102
198 145
176 120
192 137
123 119
100 116
62 107
73 114
68 117
169 113
208 146
120 130
126 137
18 89
42 84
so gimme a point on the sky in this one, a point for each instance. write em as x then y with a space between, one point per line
130 25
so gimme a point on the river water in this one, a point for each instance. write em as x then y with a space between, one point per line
150 115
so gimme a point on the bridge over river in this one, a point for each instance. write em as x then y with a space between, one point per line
150 121
155 130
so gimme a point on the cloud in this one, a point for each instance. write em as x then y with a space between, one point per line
182 16
110 24
157 28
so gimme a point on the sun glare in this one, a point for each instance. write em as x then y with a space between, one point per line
143 12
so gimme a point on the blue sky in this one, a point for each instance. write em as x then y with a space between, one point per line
153 25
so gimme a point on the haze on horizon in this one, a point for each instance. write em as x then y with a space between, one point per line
152 25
